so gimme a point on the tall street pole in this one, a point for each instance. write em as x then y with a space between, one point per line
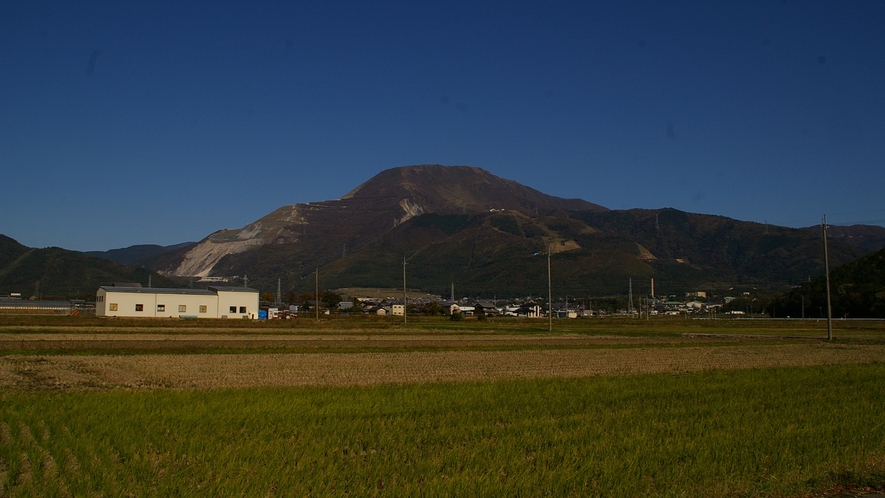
827 271
549 293
316 303
405 296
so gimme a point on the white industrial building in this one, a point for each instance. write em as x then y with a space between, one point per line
213 302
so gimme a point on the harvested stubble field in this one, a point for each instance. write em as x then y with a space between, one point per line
55 353
371 407
237 370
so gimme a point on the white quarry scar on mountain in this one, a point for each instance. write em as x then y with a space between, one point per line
199 261
202 258
411 210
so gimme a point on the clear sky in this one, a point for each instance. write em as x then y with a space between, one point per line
159 122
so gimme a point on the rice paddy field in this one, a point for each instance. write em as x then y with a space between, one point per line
373 407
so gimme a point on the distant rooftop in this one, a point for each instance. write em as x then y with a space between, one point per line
211 291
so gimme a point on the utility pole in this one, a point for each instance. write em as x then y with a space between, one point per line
630 309
316 294
827 271
549 293
279 297
405 295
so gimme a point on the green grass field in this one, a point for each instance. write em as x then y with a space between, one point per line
770 432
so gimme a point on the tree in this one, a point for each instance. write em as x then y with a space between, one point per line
432 309
330 299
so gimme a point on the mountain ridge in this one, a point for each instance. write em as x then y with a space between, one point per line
463 224
61 273
856 290
386 200
487 235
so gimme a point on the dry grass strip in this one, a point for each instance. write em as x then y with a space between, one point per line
72 342
196 371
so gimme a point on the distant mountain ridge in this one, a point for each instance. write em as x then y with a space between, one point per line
134 254
367 212
59 273
462 225
857 291
867 237
594 253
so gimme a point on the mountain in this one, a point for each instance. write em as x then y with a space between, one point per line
490 236
857 290
10 250
134 254
315 233
459 190
594 253
867 237
58 273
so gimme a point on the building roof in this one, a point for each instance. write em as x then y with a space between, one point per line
211 291
157 290
28 304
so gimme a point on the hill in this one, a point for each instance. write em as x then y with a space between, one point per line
594 253
460 190
132 255
488 236
314 234
867 237
462 226
857 290
58 273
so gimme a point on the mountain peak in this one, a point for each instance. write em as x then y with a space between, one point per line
461 189
366 213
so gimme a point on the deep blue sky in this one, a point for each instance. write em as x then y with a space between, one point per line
126 123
